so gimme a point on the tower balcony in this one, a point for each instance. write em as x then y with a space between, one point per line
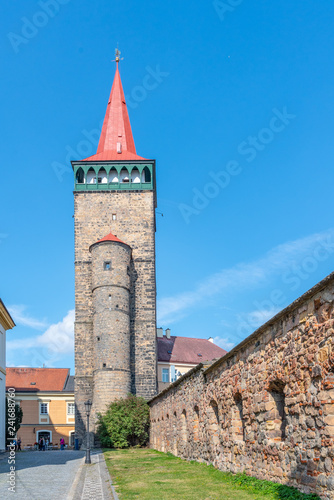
113 176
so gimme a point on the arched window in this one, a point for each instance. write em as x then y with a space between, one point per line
277 415
80 176
124 175
213 424
196 423
113 175
184 426
91 176
102 176
135 176
146 175
238 424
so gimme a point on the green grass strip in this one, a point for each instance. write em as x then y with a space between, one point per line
152 475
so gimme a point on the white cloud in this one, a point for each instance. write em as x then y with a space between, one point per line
224 343
57 339
258 318
21 318
243 275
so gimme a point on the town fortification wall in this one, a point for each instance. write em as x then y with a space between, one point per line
266 407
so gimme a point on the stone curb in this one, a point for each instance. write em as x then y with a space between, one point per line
85 486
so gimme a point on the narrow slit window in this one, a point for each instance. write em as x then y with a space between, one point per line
107 265
114 217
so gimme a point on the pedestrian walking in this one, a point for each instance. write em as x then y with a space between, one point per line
47 444
62 443
19 444
40 444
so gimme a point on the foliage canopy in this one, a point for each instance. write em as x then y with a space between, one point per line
126 423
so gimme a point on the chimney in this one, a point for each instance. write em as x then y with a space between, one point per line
210 339
168 333
160 333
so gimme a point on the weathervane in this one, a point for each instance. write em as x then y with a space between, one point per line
117 55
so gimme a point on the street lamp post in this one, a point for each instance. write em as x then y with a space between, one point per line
88 405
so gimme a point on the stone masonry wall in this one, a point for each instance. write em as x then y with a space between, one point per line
135 225
267 407
111 323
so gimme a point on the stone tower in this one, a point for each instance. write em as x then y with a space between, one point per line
115 288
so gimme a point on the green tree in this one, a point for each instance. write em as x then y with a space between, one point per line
126 423
13 424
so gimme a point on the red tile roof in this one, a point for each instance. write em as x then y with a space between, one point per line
110 237
187 350
37 379
116 129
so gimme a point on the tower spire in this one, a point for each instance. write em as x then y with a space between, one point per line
116 140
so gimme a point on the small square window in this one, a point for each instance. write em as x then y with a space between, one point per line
114 217
107 266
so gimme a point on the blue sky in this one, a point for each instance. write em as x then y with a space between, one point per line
240 120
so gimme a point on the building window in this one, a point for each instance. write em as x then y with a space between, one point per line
213 421
165 374
277 420
70 408
107 266
43 408
113 216
80 176
184 426
196 423
238 423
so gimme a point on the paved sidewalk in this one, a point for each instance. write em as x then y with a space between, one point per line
41 474
93 481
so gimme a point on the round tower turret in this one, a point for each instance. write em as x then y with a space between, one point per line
111 320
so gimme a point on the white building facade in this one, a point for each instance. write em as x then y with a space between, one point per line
6 323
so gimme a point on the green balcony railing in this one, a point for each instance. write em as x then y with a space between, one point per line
113 186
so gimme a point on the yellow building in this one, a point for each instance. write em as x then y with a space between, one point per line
46 396
177 355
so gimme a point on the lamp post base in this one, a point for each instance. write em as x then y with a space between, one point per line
88 460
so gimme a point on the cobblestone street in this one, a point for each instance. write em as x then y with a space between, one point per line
40 475
57 475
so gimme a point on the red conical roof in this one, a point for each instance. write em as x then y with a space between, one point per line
111 237
116 141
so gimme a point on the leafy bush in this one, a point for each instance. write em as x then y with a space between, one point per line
126 423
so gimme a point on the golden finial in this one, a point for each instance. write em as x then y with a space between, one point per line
117 55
